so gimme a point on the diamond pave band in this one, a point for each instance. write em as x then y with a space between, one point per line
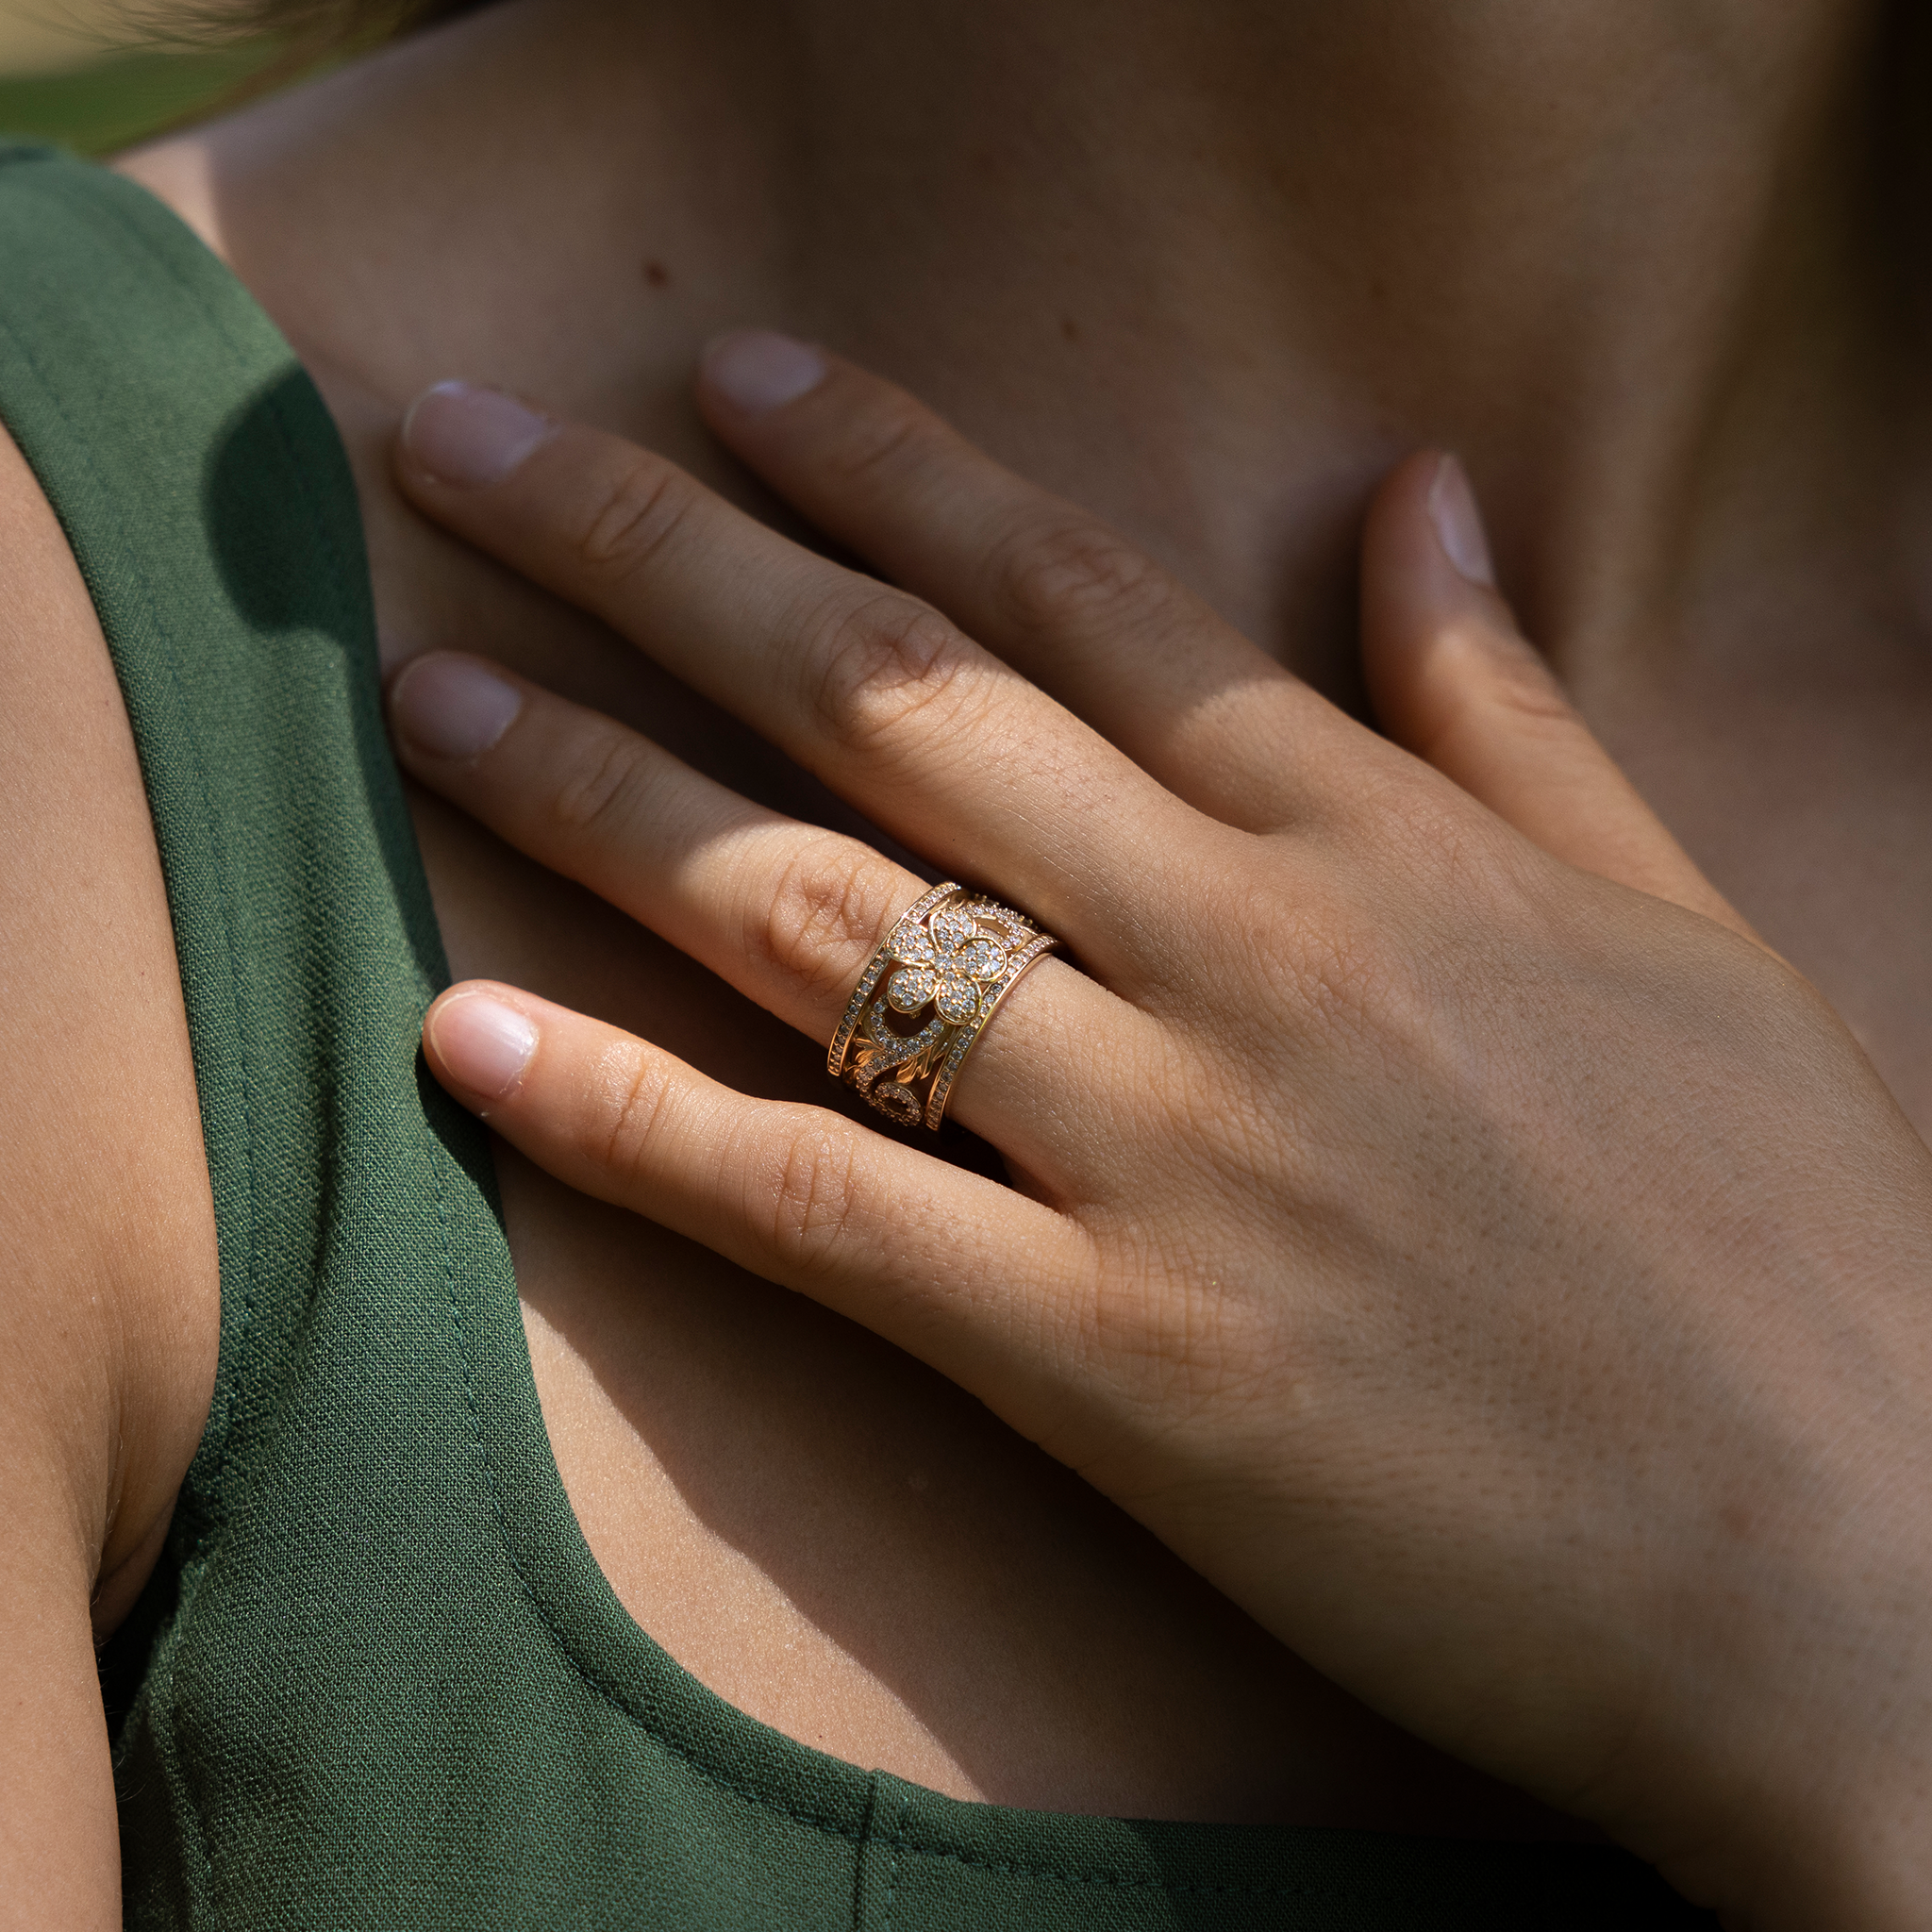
926 996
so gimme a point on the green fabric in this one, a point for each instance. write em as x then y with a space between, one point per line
379 1680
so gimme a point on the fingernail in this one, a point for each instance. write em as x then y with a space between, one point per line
760 370
1460 524
469 436
483 1044
451 707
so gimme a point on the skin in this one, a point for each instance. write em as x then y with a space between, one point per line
1440 1218
108 1319
1639 270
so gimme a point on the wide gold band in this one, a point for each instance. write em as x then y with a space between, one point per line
940 973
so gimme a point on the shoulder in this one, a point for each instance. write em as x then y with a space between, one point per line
109 1318
110 1301
108 1295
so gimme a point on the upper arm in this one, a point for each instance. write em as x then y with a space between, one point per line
109 1299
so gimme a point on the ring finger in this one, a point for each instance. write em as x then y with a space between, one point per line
787 913
870 690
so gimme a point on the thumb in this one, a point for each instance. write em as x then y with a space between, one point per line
1454 681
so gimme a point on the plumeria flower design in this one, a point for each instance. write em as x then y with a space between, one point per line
944 963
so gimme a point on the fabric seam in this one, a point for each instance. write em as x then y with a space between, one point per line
898 1845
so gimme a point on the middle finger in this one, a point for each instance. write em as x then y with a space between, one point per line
872 690
1052 589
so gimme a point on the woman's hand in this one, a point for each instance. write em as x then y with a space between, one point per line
1440 1221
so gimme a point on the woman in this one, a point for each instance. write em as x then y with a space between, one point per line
1211 273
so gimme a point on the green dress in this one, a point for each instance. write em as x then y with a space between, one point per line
379 1679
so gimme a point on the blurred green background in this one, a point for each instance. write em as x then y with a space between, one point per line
114 102
95 78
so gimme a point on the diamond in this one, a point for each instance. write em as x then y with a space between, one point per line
911 988
952 928
911 947
977 959
958 1000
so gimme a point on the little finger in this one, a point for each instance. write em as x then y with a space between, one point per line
988 1287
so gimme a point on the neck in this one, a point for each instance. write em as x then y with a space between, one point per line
1209 267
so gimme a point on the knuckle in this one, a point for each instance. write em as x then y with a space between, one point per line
875 668
1523 686
1071 572
628 520
1413 826
1175 1339
813 1195
1429 831
631 1088
1335 973
832 901
1348 983
879 442
602 794
1319 959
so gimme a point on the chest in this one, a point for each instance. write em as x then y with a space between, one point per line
1806 795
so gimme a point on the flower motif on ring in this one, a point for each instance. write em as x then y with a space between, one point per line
944 965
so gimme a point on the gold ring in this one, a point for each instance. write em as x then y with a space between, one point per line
942 970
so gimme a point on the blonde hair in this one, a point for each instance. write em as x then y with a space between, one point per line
283 41
302 32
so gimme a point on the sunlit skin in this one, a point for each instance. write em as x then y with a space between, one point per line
1445 1223
1209 272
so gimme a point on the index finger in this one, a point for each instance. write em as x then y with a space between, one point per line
872 689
